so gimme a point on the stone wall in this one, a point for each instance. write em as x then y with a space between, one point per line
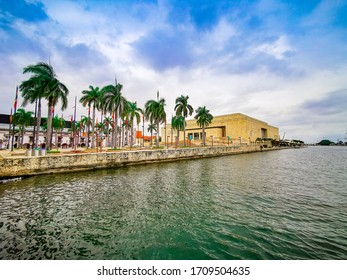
28 166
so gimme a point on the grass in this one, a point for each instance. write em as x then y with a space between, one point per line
158 147
53 152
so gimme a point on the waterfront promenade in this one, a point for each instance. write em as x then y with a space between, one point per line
17 164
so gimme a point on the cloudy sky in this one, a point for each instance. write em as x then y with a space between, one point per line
284 62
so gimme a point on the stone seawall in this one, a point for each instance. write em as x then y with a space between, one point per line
30 166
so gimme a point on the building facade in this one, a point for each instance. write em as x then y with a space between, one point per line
234 128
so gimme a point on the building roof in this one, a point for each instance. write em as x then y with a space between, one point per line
231 116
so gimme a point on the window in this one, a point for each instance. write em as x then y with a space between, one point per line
263 133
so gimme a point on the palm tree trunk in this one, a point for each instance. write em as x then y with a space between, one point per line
112 136
123 136
38 123
22 140
127 135
115 140
93 128
88 127
178 137
151 137
157 140
35 123
49 125
184 131
203 135
132 133
56 139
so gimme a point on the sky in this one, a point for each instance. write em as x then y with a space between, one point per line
283 62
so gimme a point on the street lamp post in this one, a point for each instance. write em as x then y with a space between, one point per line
74 117
82 116
171 135
88 127
165 134
143 130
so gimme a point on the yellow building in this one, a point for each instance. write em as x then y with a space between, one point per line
238 128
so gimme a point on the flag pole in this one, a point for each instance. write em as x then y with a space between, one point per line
51 141
9 131
61 130
35 122
15 109
88 127
143 130
74 117
158 123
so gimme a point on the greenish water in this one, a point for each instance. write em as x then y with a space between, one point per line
289 204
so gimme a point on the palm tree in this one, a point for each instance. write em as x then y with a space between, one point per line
87 122
114 102
33 95
80 128
45 81
133 113
155 113
203 119
177 122
182 108
152 127
108 126
125 134
92 97
73 129
58 125
100 129
22 119
44 124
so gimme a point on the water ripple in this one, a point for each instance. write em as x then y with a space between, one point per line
280 205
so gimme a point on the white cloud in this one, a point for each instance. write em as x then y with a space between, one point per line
220 34
228 72
277 49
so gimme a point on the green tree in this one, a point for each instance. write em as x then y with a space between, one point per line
203 119
114 102
133 113
23 119
58 124
92 97
108 127
80 128
151 127
325 142
182 108
44 124
33 94
177 122
87 122
155 113
45 81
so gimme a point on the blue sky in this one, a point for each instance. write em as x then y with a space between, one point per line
284 62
